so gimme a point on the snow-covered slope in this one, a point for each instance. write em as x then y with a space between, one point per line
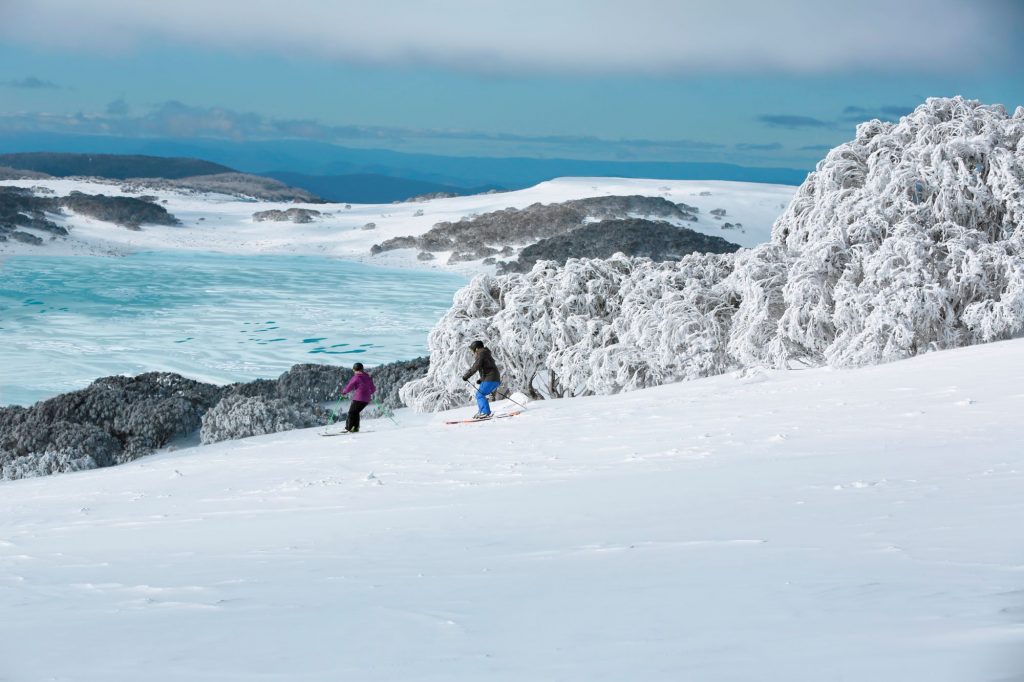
807 525
221 223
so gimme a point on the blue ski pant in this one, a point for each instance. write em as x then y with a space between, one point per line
482 392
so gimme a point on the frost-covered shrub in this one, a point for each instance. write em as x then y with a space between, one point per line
114 420
31 446
390 378
908 238
590 326
44 464
238 416
126 211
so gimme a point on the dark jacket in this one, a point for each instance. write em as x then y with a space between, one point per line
485 365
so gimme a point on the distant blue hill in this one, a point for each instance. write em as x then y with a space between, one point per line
114 166
320 159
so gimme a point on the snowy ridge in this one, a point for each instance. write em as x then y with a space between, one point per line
907 239
802 526
221 223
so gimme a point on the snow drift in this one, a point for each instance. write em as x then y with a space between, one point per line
908 238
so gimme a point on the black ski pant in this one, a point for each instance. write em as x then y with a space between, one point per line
352 421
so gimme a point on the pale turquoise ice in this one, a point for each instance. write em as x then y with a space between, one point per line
216 317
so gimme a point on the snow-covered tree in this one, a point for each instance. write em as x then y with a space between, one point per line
908 237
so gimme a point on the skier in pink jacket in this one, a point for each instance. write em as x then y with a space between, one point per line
363 388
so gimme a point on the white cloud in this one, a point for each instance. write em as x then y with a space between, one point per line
545 36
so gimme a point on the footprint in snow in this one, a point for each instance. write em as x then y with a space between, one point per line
859 485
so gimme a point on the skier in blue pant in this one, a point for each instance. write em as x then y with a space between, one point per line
489 378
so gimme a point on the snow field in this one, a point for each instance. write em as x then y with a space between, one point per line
806 525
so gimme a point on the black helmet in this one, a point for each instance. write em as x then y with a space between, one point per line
358 367
476 345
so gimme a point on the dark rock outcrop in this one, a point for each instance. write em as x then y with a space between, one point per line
659 241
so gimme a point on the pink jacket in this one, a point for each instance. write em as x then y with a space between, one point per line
363 386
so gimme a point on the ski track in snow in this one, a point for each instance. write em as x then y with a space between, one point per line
805 525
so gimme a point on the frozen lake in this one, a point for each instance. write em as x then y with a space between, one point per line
66 321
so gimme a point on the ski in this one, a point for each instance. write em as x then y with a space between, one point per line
491 418
342 433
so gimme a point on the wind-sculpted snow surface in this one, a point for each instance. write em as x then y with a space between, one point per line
906 239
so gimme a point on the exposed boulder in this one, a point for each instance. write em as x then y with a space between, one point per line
295 215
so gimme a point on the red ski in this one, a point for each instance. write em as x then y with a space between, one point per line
492 417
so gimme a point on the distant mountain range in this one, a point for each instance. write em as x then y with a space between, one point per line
377 175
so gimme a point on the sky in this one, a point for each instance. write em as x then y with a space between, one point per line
747 82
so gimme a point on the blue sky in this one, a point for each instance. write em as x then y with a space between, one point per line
746 82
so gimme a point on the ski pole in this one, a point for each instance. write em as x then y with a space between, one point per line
503 395
386 410
506 396
334 413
